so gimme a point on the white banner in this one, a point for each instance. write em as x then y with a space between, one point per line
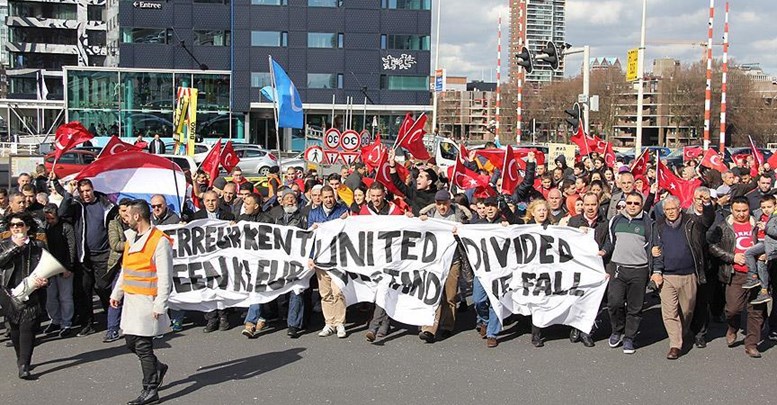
553 274
397 262
218 265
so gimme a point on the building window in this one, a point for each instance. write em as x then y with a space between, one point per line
261 79
325 40
415 83
146 36
94 13
211 1
405 42
325 81
211 38
407 4
325 3
269 38
269 2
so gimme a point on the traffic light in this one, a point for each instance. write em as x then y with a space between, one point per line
574 116
525 60
550 54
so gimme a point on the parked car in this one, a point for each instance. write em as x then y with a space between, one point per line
184 162
254 159
628 155
200 150
71 162
297 160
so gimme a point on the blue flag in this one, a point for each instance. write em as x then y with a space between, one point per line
289 103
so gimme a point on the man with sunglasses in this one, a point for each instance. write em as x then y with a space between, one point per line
628 244
160 213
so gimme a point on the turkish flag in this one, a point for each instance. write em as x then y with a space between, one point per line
692 152
758 159
116 146
609 154
682 189
712 160
463 153
639 165
383 175
228 157
412 138
211 162
465 179
583 141
511 178
373 154
68 136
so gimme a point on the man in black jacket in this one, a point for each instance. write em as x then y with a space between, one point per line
217 319
729 239
59 295
589 220
160 213
679 266
425 188
89 212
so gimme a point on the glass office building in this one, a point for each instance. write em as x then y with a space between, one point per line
131 102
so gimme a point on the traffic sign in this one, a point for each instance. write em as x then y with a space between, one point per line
349 157
314 154
582 98
332 138
366 137
331 157
349 140
632 63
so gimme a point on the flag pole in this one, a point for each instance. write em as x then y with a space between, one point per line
275 108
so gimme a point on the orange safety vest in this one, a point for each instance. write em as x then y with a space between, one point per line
139 268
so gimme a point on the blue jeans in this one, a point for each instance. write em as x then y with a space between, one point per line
176 316
755 266
294 317
114 314
485 314
59 300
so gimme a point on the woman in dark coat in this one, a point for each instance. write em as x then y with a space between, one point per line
19 255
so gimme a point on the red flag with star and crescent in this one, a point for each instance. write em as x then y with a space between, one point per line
68 136
465 179
383 175
712 160
374 153
692 152
511 177
682 189
639 166
411 137
228 157
212 161
116 146
583 141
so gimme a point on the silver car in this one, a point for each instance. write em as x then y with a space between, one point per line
254 159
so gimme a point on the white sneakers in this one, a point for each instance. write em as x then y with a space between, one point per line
328 331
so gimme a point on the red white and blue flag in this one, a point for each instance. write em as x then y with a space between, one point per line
137 175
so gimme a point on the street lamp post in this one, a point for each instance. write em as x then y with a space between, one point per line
436 66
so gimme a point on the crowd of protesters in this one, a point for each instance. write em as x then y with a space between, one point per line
708 262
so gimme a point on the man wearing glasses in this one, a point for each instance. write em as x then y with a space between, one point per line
628 244
160 214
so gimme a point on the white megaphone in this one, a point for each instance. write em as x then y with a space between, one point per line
47 267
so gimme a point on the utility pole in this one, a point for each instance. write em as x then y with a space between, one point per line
436 65
641 89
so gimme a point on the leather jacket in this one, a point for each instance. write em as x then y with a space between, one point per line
17 262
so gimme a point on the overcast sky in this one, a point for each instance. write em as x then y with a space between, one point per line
611 27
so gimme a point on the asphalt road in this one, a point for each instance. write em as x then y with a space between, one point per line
227 368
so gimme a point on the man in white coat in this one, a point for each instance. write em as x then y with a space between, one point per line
144 285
